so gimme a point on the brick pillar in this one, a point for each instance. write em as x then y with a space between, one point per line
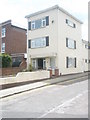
56 72
50 71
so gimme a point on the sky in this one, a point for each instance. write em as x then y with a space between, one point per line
16 10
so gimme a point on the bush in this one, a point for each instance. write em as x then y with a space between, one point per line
6 60
30 67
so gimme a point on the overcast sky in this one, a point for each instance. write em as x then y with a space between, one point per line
16 10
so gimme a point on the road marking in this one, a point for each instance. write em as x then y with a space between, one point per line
66 103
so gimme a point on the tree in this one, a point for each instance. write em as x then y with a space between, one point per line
6 60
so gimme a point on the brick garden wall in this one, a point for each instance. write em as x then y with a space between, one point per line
12 70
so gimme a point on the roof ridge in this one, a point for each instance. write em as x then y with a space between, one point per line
51 8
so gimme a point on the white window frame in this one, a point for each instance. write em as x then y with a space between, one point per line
32 24
43 23
71 43
3 48
71 64
38 42
3 32
70 23
43 20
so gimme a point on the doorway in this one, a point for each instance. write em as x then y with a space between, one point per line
40 63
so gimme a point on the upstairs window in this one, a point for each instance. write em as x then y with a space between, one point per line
38 23
70 23
33 25
70 43
38 42
3 32
43 22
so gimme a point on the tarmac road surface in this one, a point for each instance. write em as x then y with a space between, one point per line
67 100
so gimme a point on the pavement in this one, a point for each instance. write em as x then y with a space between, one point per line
31 86
53 101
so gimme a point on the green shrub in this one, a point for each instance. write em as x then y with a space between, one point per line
30 67
6 60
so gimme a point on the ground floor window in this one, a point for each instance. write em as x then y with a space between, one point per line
70 62
16 61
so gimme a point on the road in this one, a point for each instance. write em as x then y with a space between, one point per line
61 100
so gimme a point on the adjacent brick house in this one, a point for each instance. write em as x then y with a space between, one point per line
13 41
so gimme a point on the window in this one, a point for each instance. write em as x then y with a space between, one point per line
70 62
71 24
3 32
33 25
87 46
3 47
70 43
43 22
38 42
29 43
38 23
87 61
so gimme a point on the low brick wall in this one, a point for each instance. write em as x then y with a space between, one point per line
13 70
10 71
26 76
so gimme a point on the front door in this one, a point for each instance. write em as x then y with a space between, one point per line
40 63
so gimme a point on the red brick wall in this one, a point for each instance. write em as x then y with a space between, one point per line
15 40
12 70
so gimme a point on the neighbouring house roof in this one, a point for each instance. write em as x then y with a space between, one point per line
19 27
9 22
6 22
52 8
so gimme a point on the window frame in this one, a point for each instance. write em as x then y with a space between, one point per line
68 40
70 23
38 42
72 64
3 48
43 20
32 23
3 32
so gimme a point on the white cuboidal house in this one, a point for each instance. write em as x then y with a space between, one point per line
54 41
